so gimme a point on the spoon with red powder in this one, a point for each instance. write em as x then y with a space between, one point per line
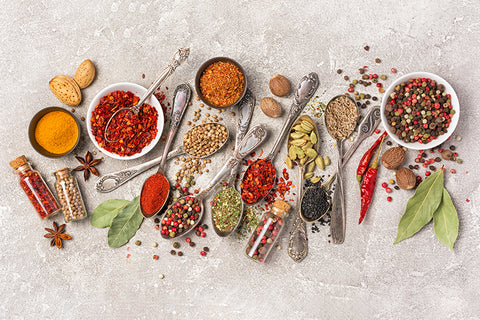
156 189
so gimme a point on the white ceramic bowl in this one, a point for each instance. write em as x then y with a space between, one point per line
441 139
138 90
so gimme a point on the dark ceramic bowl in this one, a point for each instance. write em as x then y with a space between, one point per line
33 126
202 69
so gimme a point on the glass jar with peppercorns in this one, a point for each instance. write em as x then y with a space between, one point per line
69 195
35 187
267 231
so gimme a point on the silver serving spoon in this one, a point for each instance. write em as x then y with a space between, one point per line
306 88
252 140
112 181
180 56
298 241
337 224
181 97
366 129
245 112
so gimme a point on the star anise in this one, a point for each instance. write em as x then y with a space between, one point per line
88 165
57 234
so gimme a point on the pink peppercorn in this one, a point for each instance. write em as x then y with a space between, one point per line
452 171
427 173
203 253
384 185
389 199
388 190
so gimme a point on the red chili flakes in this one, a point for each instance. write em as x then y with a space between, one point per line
257 181
222 83
131 132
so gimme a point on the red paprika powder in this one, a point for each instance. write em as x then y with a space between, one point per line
154 194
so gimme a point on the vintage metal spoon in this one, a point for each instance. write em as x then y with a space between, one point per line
181 97
180 56
366 129
306 88
245 112
112 181
337 224
298 241
254 137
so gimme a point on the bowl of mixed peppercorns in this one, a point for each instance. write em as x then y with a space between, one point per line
420 110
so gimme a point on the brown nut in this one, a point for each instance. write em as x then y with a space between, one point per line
406 178
447 155
393 158
84 74
66 90
279 85
271 107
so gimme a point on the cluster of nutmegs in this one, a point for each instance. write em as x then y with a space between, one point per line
279 86
392 159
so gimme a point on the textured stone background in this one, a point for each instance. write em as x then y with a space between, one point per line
365 278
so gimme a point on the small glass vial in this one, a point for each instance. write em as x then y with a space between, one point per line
35 187
69 195
267 231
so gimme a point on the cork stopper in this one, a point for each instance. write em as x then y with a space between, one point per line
280 208
20 161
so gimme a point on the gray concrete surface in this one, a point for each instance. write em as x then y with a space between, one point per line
365 278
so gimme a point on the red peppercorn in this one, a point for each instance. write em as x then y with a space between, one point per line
384 185
203 253
452 171
197 208
377 130
389 199
393 70
203 235
200 228
427 173
184 189
155 257
350 89
388 190
188 240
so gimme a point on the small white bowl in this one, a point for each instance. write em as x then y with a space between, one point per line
138 90
441 139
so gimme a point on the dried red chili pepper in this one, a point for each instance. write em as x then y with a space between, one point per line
257 181
131 131
368 185
362 166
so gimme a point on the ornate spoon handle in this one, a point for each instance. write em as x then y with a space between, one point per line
298 241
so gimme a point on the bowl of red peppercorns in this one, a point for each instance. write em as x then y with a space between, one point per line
420 110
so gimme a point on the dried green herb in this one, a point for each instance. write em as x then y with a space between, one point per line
445 221
421 206
125 224
104 213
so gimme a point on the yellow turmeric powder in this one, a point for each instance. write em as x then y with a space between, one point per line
57 132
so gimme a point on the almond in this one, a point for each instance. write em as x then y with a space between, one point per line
66 90
393 158
406 178
271 107
84 74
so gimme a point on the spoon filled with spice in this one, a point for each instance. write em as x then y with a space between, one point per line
156 188
302 146
187 212
341 117
259 178
179 57
227 206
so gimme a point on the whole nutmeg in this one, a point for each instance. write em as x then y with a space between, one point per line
271 107
447 155
406 178
279 85
393 158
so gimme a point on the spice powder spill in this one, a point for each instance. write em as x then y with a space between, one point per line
226 209
57 132
222 83
341 117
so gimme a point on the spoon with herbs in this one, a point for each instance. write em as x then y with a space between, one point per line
260 177
187 212
156 188
227 206
341 117
302 146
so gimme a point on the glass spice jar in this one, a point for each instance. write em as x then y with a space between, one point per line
69 195
35 187
267 231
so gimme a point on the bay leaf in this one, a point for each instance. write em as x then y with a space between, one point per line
104 213
125 224
445 221
421 206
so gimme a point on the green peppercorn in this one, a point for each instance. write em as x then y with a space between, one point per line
176 245
138 242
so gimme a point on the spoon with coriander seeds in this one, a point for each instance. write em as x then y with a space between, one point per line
156 188
341 117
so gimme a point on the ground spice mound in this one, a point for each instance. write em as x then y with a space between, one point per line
341 117
57 132
222 83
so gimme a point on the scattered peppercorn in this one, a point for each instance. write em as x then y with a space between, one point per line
377 60
180 253
366 48
138 242
206 249
173 252
339 71
192 244
176 245
203 253
155 257
389 199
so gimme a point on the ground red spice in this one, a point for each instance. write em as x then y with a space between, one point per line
131 132
154 193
